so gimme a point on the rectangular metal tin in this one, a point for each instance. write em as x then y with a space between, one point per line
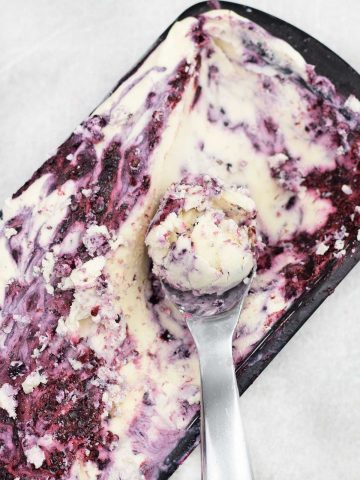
347 81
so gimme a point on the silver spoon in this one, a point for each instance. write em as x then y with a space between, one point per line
212 321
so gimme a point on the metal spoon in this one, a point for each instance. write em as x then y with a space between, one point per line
212 321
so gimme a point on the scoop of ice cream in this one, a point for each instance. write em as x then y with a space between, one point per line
203 236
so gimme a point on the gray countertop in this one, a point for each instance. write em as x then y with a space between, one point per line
57 61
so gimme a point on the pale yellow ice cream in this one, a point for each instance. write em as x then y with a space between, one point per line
203 236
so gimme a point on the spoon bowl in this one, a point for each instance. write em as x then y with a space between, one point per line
209 305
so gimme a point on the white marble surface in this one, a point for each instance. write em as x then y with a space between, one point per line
57 61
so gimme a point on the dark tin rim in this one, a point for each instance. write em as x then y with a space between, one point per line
346 81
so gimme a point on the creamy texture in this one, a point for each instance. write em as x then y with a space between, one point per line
110 375
202 238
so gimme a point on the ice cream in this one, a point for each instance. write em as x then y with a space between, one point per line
202 239
98 379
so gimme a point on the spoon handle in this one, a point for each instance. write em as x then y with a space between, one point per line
224 452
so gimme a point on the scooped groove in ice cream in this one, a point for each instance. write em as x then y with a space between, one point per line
202 238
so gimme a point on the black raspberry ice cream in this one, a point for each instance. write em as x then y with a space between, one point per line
98 379
202 239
